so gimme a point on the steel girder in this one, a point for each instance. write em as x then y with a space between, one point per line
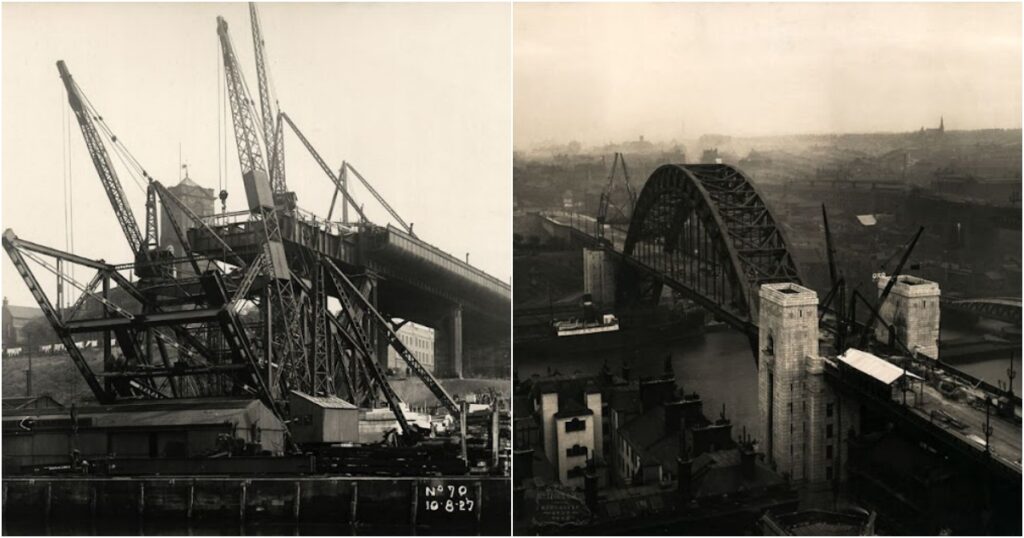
191 362
705 231
1008 310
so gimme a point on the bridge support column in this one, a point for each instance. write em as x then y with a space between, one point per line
599 276
448 344
787 350
912 308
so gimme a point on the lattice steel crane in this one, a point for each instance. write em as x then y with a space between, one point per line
340 185
602 209
273 135
86 116
288 351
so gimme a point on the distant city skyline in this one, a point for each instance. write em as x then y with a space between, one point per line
667 142
663 141
610 72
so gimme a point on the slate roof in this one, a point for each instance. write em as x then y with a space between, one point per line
570 407
646 433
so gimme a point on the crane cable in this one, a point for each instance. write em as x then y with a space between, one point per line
64 187
220 132
135 169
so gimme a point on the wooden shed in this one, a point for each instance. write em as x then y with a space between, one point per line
323 419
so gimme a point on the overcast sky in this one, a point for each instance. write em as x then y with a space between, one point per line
602 72
417 97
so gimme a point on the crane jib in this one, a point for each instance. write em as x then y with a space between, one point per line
104 166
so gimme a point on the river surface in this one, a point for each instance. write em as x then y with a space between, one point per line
991 370
718 365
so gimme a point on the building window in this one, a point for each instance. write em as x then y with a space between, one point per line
789 406
828 473
577 472
577 450
828 431
829 409
577 425
828 452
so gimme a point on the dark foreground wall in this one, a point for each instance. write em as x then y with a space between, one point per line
307 505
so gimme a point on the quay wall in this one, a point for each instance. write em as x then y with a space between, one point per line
473 503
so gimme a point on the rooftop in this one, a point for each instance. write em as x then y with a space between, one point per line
869 364
327 402
571 407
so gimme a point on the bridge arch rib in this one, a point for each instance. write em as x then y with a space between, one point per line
705 231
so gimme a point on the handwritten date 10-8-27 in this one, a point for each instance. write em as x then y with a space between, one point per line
448 498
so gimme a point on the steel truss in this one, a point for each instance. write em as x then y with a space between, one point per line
260 329
205 346
704 231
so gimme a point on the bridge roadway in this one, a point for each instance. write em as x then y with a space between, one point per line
927 410
1005 441
416 281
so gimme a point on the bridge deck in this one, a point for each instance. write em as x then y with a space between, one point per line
925 414
387 250
1005 441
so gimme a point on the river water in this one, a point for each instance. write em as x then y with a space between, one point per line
994 370
718 365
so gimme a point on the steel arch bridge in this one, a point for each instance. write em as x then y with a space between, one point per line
704 231
1006 309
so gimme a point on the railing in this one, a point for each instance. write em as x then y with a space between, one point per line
299 214
916 418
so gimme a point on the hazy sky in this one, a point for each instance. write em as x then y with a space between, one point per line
602 72
417 97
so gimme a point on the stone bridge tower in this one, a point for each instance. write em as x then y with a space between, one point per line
912 308
804 422
790 384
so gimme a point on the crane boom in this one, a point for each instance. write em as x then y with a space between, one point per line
870 325
323 164
104 166
247 137
272 139
380 199
396 343
287 330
